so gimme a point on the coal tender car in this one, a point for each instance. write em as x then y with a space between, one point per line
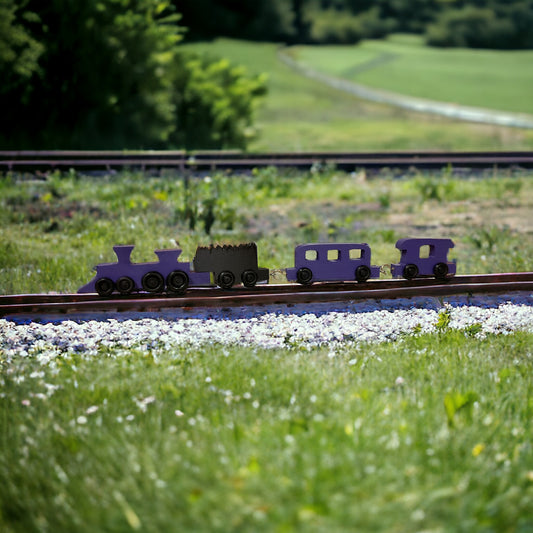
231 264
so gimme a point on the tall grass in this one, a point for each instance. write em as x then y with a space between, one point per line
428 434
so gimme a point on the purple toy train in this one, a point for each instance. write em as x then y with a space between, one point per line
230 265
332 262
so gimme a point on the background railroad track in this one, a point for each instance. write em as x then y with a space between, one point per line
45 161
30 305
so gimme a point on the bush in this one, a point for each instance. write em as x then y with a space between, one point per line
474 27
336 27
214 103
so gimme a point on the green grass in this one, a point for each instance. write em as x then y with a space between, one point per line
484 78
271 440
302 114
54 231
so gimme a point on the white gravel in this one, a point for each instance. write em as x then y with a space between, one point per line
299 326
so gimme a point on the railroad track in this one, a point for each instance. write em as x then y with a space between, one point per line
35 305
85 161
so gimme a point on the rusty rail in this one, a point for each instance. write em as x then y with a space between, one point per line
45 161
64 304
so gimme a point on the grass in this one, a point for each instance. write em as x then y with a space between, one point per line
299 114
55 230
403 64
228 439
428 433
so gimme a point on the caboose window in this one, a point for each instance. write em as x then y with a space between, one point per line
311 255
355 253
424 251
333 255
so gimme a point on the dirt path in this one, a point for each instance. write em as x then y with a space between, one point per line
467 113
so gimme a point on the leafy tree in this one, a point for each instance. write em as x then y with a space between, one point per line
501 26
19 52
103 77
214 102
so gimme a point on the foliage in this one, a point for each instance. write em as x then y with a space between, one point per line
101 84
117 80
475 27
214 102
333 27
19 51
483 23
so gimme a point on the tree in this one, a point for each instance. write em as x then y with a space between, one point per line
103 77
214 102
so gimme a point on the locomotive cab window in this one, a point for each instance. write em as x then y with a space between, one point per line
333 255
311 255
355 253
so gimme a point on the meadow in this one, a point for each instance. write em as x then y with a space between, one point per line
431 432
300 114
403 64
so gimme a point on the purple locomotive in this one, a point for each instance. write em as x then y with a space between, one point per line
332 262
229 265
126 277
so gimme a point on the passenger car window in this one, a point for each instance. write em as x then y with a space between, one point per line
311 255
356 253
333 255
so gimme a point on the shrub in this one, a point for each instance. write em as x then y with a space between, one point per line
473 27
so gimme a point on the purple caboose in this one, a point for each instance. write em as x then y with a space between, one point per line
126 277
424 257
332 262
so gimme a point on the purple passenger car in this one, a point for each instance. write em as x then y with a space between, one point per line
423 258
332 262
125 277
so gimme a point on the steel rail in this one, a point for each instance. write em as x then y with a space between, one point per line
44 161
63 304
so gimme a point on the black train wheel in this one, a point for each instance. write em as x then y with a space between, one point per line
125 285
410 271
226 279
362 273
153 282
177 281
104 287
304 276
249 278
440 270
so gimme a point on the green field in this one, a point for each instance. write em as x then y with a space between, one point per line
431 432
501 80
302 114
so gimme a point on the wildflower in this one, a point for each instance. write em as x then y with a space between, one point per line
477 449
26 403
177 412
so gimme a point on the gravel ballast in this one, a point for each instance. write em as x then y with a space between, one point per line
293 327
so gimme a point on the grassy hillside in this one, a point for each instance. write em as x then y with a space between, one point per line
302 114
485 78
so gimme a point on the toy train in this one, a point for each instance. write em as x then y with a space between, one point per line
229 265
